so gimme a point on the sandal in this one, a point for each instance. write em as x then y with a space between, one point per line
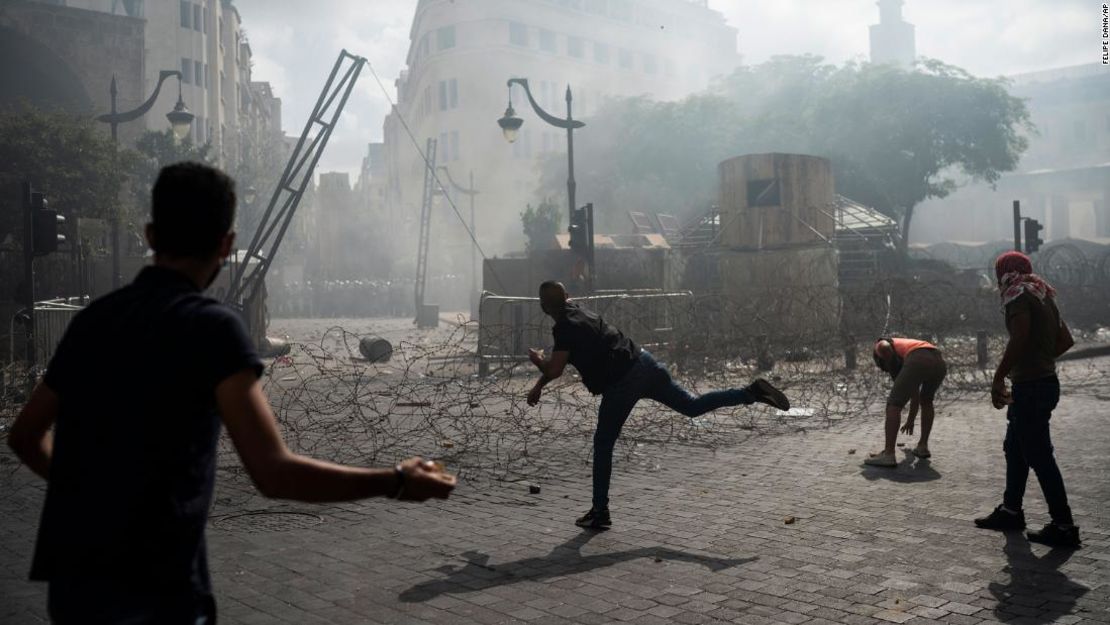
922 454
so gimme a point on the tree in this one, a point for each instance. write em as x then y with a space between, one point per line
894 137
156 149
541 223
62 155
898 138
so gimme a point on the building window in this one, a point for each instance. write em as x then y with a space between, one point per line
575 47
601 53
198 73
624 59
205 29
448 94
518 34
186 71
425 45
547 41
445 38
198 24
186 14
651 66
207 85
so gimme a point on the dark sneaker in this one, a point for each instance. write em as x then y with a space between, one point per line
1055 535
765 393
1002 520
595 520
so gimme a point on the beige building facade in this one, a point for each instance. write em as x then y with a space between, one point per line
454 90
1063 180
206 42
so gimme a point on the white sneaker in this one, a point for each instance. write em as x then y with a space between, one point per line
881 460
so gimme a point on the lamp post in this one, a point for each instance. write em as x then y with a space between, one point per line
470 192
510 126
181 120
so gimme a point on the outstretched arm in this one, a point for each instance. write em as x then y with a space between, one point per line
282 474
550 369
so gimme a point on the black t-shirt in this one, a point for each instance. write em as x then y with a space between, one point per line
600 352
135 440
1039 359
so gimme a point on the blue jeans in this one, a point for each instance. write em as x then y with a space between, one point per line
1029 446
647 379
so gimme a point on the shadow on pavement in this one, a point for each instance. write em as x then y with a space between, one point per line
564 559
911 469
1035 583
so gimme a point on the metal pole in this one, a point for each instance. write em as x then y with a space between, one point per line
1017 225
473 244
571 186
590 267
114 219
29 272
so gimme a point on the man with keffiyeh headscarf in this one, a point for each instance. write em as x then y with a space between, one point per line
1037 337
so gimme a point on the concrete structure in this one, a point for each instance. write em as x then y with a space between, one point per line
1063 179
63 57
462 54
778 265
205 41
892 39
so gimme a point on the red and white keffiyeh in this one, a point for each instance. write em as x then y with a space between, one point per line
1015 276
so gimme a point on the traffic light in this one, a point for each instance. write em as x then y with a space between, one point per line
44 229
579 231
1033 241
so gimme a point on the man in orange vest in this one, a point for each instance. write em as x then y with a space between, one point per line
918 369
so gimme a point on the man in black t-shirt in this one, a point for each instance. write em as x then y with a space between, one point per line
613 366
135 393
1037 337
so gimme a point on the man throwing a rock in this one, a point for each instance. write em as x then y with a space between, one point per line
613 366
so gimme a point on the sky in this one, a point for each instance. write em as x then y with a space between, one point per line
295 44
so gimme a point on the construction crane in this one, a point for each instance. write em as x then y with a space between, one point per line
247 290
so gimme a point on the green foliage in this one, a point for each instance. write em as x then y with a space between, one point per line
541 224
62 155
155 150
894 137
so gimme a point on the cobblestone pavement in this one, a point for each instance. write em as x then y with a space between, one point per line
784 529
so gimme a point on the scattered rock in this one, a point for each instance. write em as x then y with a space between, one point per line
901 444
533 489
447 444
851 452
658 559
789 520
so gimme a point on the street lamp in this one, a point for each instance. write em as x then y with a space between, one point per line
181 121
510 126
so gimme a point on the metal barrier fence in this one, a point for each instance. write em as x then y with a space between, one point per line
509 326
52 317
